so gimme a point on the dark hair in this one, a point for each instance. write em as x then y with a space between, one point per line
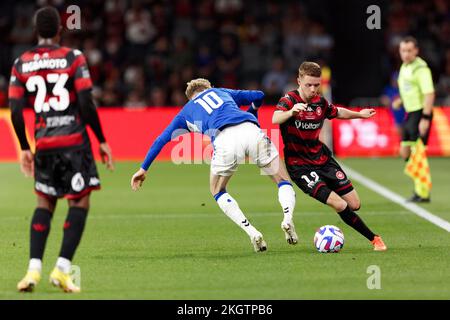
411 39
47 22
309 69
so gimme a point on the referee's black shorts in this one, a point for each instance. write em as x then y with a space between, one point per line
411 128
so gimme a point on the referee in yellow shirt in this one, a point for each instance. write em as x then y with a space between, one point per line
417 95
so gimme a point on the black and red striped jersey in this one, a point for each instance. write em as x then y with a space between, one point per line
48 78
301 132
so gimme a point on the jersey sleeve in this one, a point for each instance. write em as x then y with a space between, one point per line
425 80
332 110
285 103
173 130
16 90
246 97
82 77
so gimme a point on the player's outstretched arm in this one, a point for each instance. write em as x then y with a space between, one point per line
344 113
170 132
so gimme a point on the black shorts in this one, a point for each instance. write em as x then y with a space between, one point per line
71 173
319 181
411 128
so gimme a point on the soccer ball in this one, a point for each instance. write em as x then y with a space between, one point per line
329 239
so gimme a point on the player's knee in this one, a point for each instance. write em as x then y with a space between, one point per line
217 193
214 190
405 153
46 203
338 205
82 202
355 205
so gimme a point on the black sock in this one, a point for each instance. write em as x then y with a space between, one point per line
39 230
73 229
354 221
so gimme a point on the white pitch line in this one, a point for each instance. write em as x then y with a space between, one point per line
394 197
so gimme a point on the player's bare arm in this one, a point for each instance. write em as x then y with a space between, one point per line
90 115
280 117
344 113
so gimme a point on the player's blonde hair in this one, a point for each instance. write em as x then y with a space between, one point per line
308 68
196 85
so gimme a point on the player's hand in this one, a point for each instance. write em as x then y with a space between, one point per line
424 124
137 179
297 108
367 113
27 163
106 155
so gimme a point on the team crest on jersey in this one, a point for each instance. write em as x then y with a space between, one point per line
340 175
77 182
319 111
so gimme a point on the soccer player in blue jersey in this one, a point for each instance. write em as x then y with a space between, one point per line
235 134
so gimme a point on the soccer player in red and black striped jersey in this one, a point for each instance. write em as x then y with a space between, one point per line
300 114
55 81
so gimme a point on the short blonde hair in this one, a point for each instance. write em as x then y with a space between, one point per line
308 68
195 85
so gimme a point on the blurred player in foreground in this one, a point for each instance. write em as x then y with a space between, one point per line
235 134
300 114
55 80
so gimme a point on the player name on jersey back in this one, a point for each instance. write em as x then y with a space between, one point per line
39 64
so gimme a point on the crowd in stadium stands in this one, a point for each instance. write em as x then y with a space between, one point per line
143 52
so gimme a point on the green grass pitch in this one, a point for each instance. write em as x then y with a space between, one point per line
171 241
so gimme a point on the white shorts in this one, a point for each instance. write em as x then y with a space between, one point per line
233 144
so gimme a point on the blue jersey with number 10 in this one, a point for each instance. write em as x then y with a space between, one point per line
208 112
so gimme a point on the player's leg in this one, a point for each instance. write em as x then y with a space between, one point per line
410 134
341 196
228 151
409 139
231 209
405 151
263 152
276 170
73 230
352 219
39 231
79 177
352 199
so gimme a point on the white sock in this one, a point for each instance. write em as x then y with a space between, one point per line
286 197
35 265
63 264
231 208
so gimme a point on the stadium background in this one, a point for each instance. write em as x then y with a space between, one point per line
142 53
